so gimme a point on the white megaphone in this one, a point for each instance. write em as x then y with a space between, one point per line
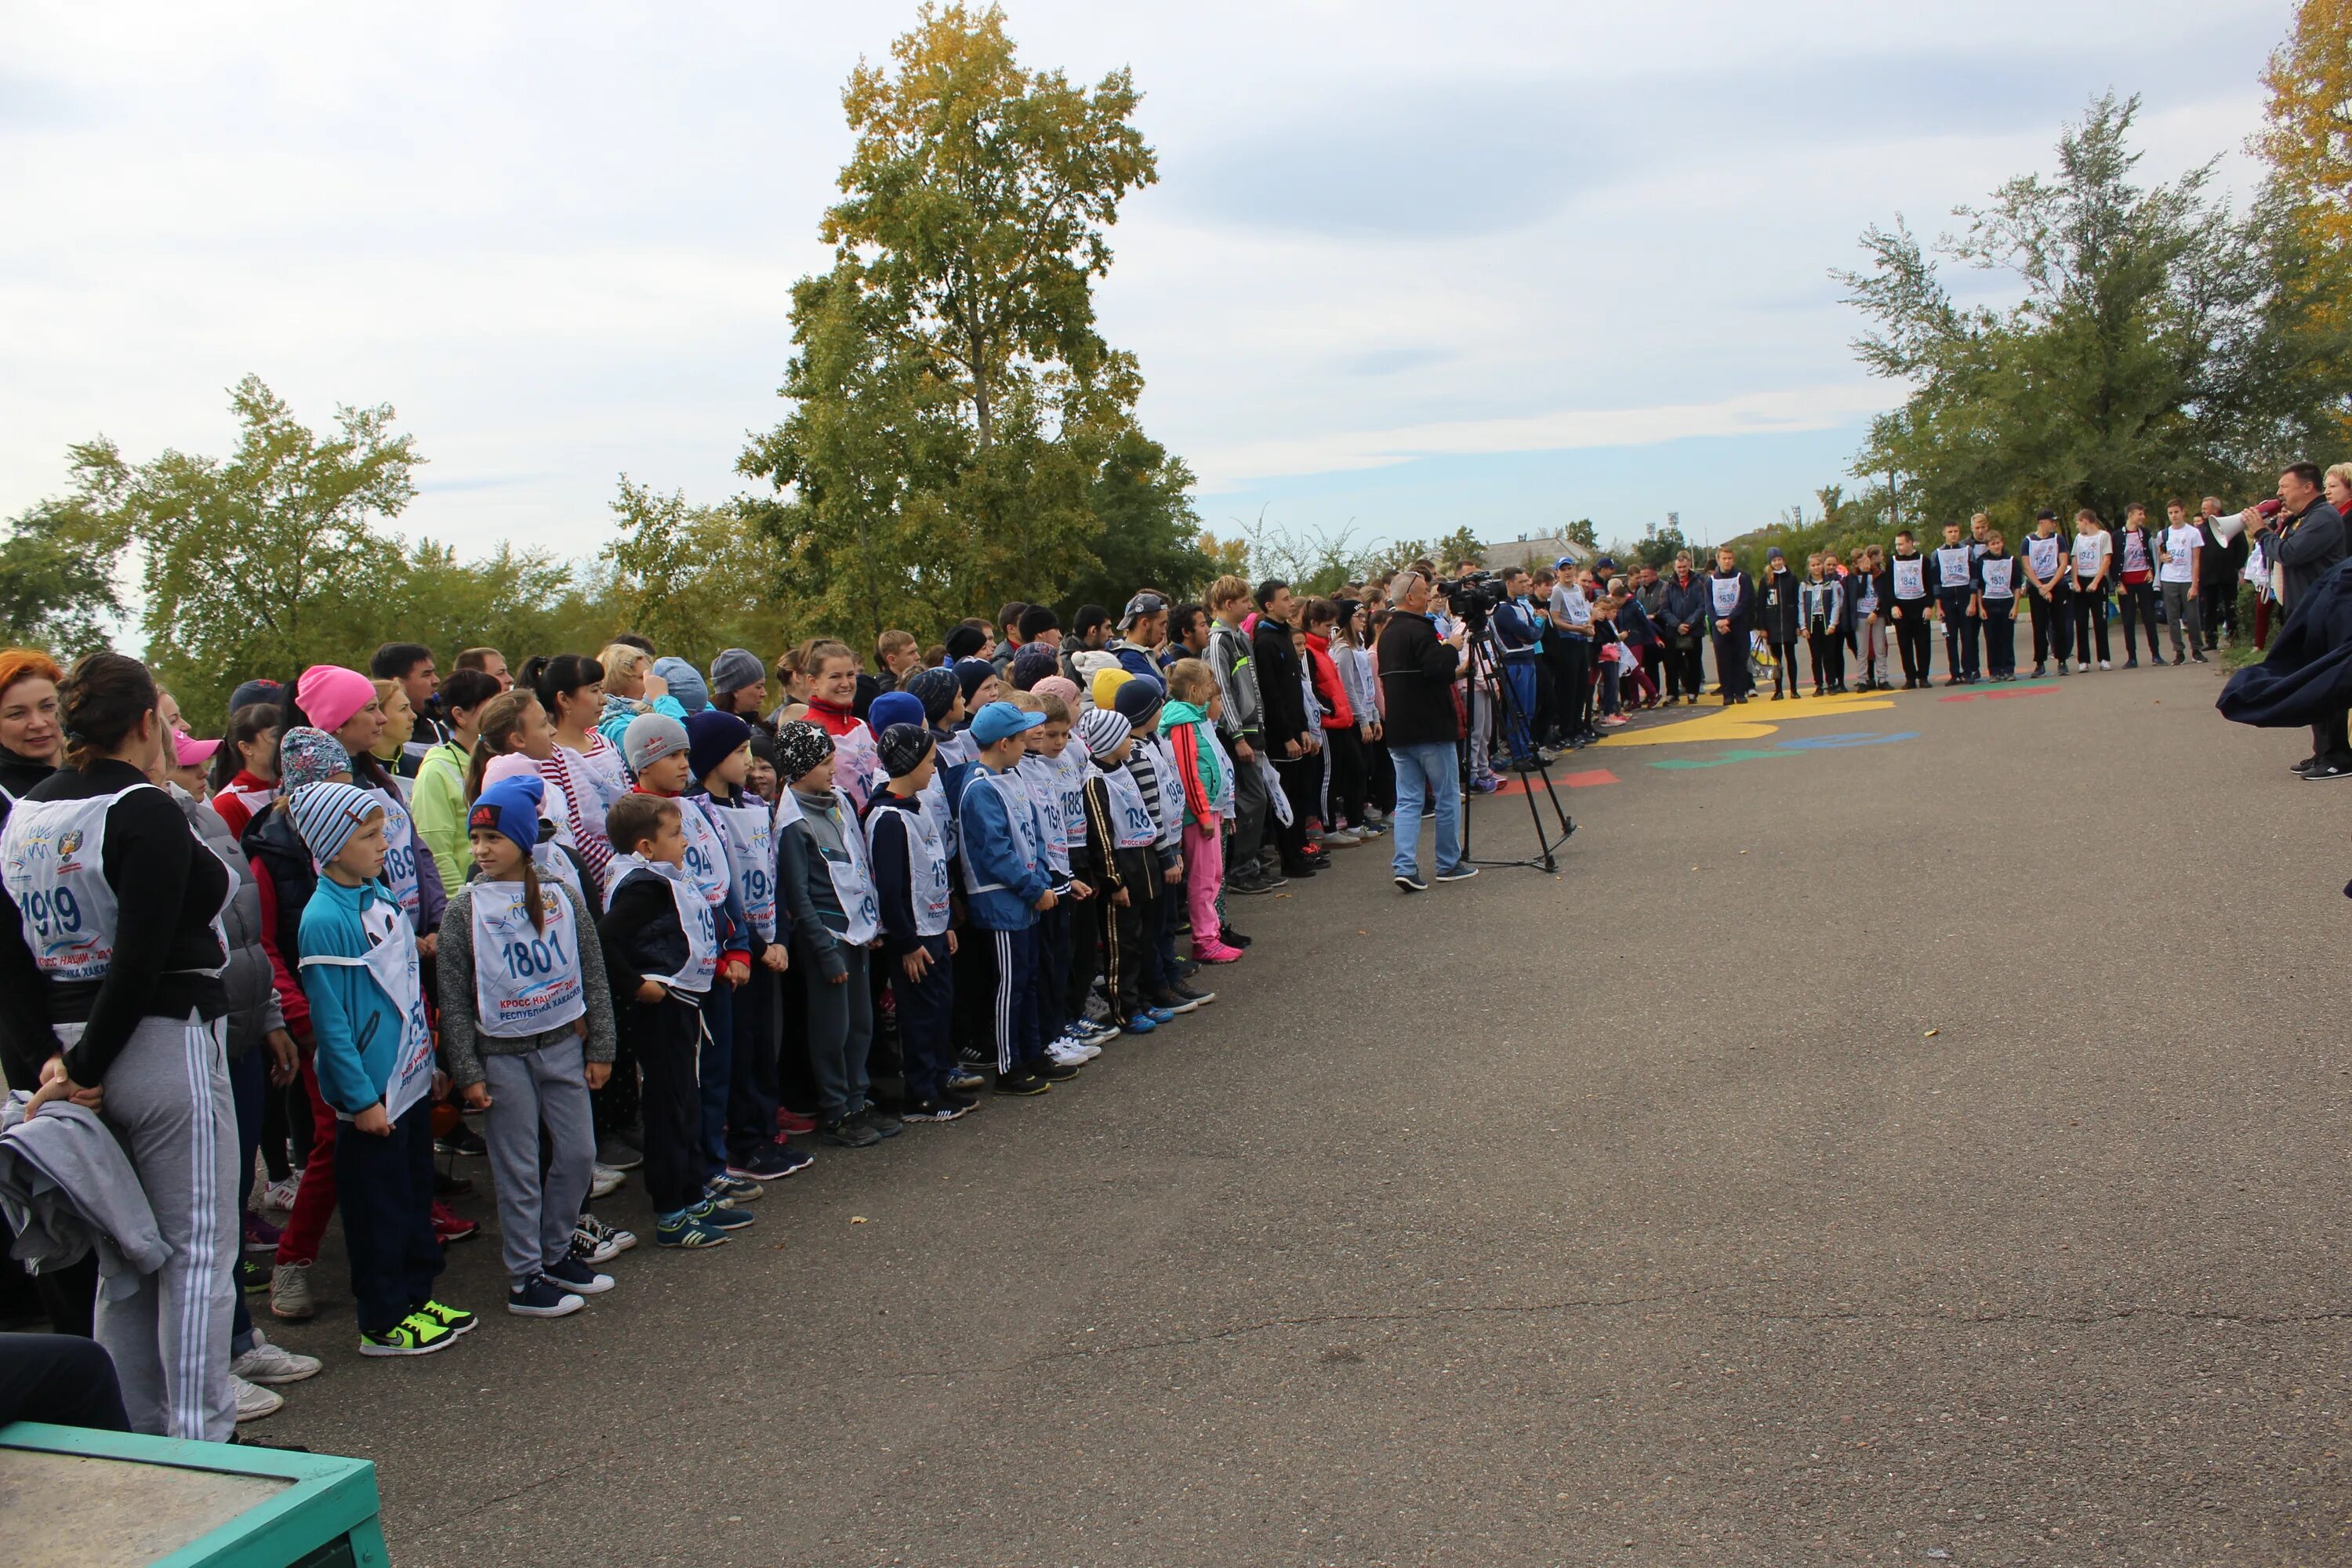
2226 529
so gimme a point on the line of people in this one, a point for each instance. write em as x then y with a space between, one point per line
606 915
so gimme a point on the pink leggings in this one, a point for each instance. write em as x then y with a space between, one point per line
1204 874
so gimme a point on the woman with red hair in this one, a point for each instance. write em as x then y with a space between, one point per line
31 738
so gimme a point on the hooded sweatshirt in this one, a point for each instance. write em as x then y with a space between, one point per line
357 1029
1199 769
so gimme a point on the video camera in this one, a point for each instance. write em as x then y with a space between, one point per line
1473 598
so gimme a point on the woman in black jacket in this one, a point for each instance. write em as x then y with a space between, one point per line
1778 616
109 966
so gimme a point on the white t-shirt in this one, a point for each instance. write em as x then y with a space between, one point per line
2178 544
2091 548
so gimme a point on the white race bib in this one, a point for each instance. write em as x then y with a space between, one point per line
392 963
927 866
1911 578
707 866
853 876
1727 596
526 978
1952 563
2044 554
750 838
400 855
695 916
52 862
1997 576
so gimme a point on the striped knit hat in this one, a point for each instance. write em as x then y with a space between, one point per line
327 815
1102 730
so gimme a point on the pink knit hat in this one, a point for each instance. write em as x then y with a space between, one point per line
507 765
331 694
1060 686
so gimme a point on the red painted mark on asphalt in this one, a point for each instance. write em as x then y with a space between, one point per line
1959 697
1589 779
2022 691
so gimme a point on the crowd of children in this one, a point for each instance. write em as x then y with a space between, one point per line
615 914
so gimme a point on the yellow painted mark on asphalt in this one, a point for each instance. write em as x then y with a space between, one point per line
1761 716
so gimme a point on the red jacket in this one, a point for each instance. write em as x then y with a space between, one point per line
1327 684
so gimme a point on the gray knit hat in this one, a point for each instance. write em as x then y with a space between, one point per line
734 669
649 738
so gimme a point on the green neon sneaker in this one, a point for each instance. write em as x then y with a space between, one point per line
413 1335
456 1320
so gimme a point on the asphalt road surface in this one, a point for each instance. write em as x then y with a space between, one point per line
1866 1150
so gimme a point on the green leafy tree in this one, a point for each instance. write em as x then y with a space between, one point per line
1582 531
2141 359
58 563
960 434
694 579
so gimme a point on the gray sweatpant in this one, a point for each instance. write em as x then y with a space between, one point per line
168 1103
548 1086
1870 649
840 1021
2179 609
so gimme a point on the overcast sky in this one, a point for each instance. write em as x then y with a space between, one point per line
1407 267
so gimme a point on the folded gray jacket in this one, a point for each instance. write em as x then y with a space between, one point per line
66 1186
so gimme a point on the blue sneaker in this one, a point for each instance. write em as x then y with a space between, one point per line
1142 1023
718 1218
1158 1014
684 1230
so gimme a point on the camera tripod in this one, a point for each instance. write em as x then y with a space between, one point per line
1485 666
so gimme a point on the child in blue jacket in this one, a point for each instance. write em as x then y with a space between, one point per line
376 1071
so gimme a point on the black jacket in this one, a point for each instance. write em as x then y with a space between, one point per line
894 876
167 889
1417 671
1685 604
641 935
2306 676
1776 607
1743 614
1278 689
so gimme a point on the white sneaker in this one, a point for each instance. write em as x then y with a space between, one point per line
602 1179
1090 1047
2104 665
279 1194
1067 1054
266 1362
289 1292
253 1401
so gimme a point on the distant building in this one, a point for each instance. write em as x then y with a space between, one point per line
1531 553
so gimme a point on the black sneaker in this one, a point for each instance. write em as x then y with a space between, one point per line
934 1110
1020 1083
1409 883
849 1132
542 1299
881 1121
2320 771
959 1102
2199 658
2304 766
1247 884
966 1083
461 1139
573 1275
1193 997
1050 1071
1170 1001
1298 871
1461 873
1231 937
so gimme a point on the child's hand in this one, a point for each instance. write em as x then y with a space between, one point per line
735 973
650 991
1175 874
428 945
477 1097
373 1121
599 1073
1046 900
917 964
1081 891
951 944
775 957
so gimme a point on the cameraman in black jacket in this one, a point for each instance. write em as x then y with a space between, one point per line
1417 675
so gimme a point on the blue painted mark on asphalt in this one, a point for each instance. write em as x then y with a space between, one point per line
1841 743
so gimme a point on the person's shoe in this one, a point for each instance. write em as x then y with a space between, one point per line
1232 938
792 1161
768 1162
2178 659
1217 953
883 1125
460 1140
543 1298
1410 882
2104 665
790 1120
1052 1071
1776 697
1023 1083
1067 1052
735 1187
279 1195
449 1226
252 1274
1141 1023
851 1133
615 1155
1157 1013
2132 663
266 1362
2304 766
1191 994
712 1214
2319 772
603 1179
456 1320
1169 1002
1247 884
2200 657
253 1401
445 1186
289 1293
1298 871
967 1083
1345 839
1461 873
1095 1033
573 1275
415 1334
260 1236
684 1230
933 1109
593 1241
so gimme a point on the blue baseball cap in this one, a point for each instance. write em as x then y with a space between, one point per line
995 720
